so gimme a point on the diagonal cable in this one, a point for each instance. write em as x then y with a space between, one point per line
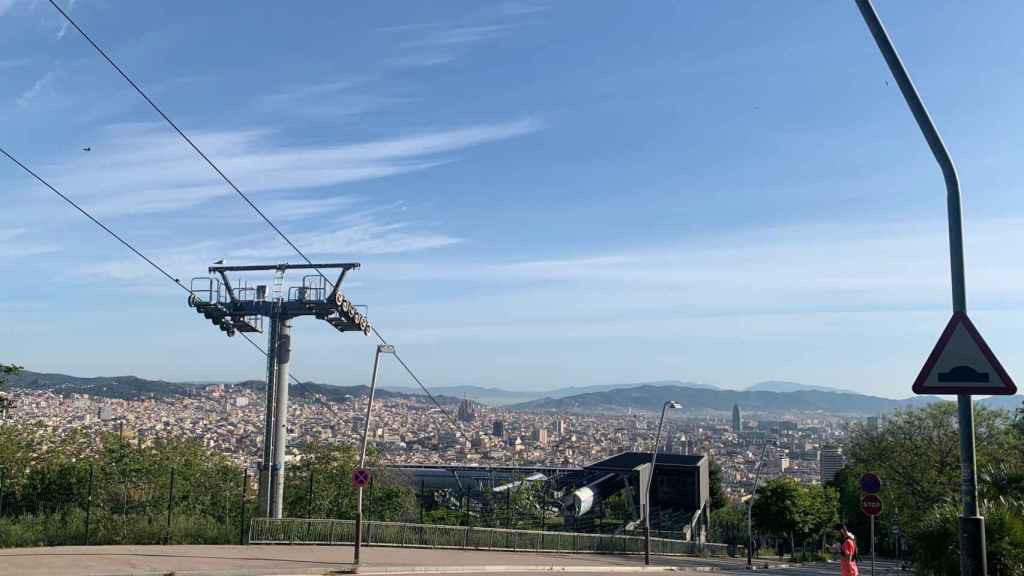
237 190
139 253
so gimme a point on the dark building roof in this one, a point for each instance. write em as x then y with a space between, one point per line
628 460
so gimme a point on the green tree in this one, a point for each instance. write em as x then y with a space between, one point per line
917 454
6 403
330 465
729 525
936 539
847 485
818 512
715 490
776 508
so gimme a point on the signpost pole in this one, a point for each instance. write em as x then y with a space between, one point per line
750 508
972 525
872 546
383 348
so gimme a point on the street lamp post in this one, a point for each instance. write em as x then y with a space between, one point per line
381 349
750 507
972 524
650 479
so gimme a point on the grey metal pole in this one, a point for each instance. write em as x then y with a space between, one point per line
263 496
284 350
88 506
241 507
309 496
750 508
972 524
872 546
382 348
124 509
647 487
170 507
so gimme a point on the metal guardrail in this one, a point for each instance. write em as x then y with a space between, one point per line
303 531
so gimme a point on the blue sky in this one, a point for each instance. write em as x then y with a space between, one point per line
541 195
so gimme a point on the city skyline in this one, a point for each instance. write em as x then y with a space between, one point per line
540 195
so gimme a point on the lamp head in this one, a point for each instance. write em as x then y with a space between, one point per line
673 404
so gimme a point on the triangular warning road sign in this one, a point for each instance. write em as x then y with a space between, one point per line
961 363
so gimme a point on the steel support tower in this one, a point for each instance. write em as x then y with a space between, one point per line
242 308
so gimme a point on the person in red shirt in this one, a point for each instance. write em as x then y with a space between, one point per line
847 552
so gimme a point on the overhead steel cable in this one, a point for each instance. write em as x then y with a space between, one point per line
455 423
238 191
181 133
139 253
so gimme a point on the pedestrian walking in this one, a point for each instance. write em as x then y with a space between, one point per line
847 551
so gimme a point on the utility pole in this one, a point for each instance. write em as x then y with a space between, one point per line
750 508
972 524
241 308
381 349
650 480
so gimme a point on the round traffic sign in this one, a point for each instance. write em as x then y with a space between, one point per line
360 477
871 505
870 483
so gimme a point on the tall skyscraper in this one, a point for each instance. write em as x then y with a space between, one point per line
106 413
830 460
498 430
737 419
561 427
539 436
873 424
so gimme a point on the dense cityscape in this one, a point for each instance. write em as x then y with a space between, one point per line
408 429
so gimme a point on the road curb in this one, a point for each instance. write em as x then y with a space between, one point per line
394 570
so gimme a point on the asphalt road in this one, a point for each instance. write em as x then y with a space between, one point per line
303 559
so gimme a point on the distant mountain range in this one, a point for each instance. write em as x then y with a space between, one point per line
652 397
766 397
1011 403
502 397
135 388
783 386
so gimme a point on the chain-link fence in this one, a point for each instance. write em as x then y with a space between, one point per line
303 531
180 492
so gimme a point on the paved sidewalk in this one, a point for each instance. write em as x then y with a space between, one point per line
257 560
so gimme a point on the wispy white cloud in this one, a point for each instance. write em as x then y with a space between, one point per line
422 60
805 267
6 5
144 168
14 62
333 99
28 96
458 35
374 231
299 92
64 23
374 238
436 43
15 244
520 8
298 208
